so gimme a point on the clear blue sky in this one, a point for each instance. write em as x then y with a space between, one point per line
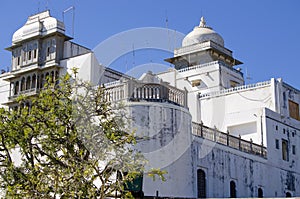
264 34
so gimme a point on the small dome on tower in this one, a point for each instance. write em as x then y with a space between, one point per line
202 33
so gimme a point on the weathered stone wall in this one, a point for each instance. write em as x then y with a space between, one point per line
167 145
249 172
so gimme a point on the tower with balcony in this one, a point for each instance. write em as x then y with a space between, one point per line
37 49
204 61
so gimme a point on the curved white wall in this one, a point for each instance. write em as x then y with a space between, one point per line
167 129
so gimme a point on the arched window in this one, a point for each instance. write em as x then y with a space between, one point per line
28 80
47 77
232 189
52 77
201 183
42 81
56 77
260 193
23 84
288 195
33 83
38 82
17 86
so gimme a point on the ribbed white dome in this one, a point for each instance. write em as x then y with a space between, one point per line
39 24
202 33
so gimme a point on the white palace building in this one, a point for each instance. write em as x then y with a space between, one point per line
214 135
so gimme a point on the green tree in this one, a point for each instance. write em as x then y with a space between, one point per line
72 144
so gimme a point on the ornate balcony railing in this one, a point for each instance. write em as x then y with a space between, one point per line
210 64
229 140
31 91
132 90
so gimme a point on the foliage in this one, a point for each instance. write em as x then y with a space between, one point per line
71 142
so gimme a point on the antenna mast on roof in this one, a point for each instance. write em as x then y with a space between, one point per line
39 4
72 8
167 27
248 77
133 55
47 3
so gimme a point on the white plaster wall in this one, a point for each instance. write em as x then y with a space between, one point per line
290 94
89 68
209 76
222 164
212 79
286 129
4 90
228 75
168 130
169 76
238 112
71 49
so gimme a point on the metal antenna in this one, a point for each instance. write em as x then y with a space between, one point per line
175 40
248 77
126 64
133 54
167 21
47 3
72 8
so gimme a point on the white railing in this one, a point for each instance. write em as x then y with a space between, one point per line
235 89
226 139
112 83
198 66
210 64
31 91
138 91
115 93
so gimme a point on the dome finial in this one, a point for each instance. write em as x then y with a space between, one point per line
202 22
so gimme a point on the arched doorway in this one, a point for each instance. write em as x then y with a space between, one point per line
260 193
288 195
201 183
232 189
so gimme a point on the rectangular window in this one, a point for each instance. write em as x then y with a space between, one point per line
24 56
34 54
285 154
294 110
284 99
294 150
233 83
277 144
196 83
48 51
276 127
29 55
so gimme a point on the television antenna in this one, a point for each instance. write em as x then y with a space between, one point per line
248 77
72 8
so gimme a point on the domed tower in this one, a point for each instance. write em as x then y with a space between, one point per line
203 65
204 61
202 45
37 48
202 33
